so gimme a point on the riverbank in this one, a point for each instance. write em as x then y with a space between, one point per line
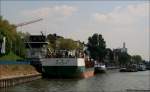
10 56
111 81
15 74
14 80
16 70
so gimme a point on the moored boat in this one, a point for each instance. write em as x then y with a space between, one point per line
59 63
66 67
141 67
129 68
99 67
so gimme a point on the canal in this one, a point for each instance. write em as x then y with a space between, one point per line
112 81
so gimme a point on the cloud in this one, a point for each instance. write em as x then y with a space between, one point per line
65 10
139 10
121 24
124 24
62 11
123 16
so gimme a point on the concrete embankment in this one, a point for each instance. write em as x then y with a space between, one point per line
13 80
11 75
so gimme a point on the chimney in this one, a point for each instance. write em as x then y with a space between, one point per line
124 45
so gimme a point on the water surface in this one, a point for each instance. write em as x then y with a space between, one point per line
112 81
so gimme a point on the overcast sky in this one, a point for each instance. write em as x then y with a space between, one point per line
117 21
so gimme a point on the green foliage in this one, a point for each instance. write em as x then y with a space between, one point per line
124 58
109 55
1 37
67 44
14 43
59 42
137 59
19 46
10 56
97 47
52 38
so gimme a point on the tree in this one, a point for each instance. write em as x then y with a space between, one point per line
67 44
52 38
9 31
124 58
109 56
59 42
96 46
137 59
14 43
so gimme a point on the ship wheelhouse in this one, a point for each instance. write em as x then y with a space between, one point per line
36 46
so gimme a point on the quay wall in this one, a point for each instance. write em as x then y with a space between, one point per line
12 73
14 80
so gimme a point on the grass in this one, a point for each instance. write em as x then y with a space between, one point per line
15 69
10 56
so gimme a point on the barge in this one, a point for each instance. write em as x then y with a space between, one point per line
58 63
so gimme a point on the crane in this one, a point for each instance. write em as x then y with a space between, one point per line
29 22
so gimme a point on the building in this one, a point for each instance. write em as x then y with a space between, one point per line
124 49
117 51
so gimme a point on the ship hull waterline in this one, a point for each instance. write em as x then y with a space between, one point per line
66 68
67 72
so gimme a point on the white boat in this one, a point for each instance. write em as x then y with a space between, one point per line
141 67
99 67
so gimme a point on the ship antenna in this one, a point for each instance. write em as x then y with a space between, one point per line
42 33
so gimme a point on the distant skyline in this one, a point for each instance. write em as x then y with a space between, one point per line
117 21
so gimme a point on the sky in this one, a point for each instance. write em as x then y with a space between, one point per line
117 21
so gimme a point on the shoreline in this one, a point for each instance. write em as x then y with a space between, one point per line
11 75
14 80
18 76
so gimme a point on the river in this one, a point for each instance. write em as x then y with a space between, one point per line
112 81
